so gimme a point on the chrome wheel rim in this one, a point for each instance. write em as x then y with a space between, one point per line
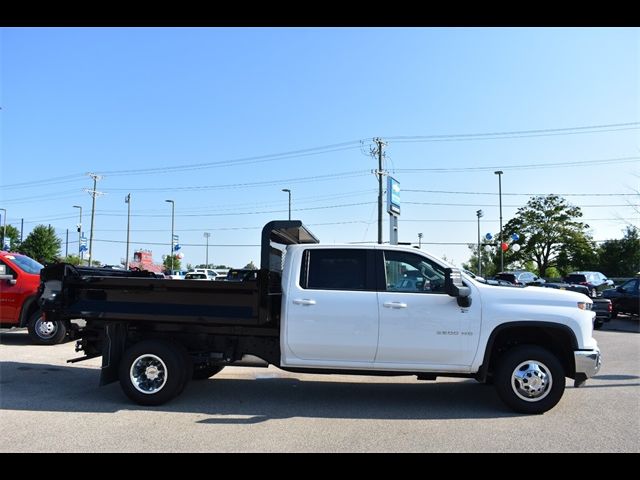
45 329
531 381
148 374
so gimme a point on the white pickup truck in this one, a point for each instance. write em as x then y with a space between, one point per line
348 309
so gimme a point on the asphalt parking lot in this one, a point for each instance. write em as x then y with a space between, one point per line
47 405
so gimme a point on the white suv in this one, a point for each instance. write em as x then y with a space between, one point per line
211 275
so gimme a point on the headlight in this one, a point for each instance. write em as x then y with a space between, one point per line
585 305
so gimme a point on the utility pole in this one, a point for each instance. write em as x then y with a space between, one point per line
380 173
207 235
4 229
66 249
479 214
499 173
173 205
21 228
80 251
419 240
94 193
127 200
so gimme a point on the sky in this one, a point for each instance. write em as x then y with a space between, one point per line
220 120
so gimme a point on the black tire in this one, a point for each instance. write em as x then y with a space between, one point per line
597 325
614 314
202 372
42 332
152 372
541 388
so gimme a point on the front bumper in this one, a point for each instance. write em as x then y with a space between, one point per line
588 363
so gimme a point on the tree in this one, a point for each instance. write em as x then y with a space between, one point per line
250 266
167 263
551 235
42 244
621 258
72 259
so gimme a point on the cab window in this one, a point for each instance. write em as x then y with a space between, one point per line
408 272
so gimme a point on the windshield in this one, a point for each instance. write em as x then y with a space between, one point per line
26 264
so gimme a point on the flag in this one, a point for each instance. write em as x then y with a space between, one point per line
127 199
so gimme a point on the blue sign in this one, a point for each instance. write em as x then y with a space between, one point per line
177 247
83 248
393 196
488 237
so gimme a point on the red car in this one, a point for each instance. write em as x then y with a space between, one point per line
19 282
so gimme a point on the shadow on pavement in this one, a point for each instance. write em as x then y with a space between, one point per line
39 387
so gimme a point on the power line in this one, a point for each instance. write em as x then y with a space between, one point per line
330 176
520 133
404 190
522 167
494 205
242 161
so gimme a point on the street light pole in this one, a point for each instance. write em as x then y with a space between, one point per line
207 235
80 252
289 192
172 225
419 240
479 214
499 173
4 229
127 200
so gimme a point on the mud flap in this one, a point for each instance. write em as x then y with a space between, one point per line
115 335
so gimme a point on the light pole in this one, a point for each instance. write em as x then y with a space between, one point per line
499 173
419 240
479 214
289 192
4 229
127 200
172 223
80 252
207 235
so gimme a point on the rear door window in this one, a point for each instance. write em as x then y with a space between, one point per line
337 269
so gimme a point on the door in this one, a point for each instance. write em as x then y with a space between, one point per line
331 309
10 295
420 324
629 299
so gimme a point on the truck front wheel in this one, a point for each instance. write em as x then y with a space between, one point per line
45 332
152 372
530 379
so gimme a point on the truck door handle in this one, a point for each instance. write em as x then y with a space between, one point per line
304 301
394 305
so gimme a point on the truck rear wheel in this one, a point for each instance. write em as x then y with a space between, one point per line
202 372
530 379
152 372
45 332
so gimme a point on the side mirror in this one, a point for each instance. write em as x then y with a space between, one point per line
9 278
454 287
620 289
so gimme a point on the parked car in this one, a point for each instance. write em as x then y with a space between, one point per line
19 282
624 298
519 277
241 275
209 273
594 281
567 286
604 311
196 276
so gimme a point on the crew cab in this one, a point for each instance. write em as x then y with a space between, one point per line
19 282
313 308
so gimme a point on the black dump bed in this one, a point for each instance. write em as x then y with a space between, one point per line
70 292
